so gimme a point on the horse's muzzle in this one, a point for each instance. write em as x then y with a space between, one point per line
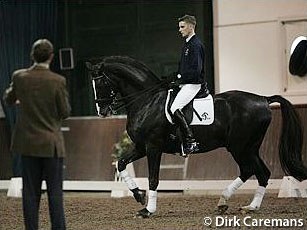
105 112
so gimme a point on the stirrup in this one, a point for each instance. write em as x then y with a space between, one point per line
189 148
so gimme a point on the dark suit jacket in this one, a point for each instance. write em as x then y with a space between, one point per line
191 66
43 105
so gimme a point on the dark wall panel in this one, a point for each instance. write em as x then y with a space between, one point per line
6 158
145 30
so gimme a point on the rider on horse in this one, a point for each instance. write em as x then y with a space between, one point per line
190 77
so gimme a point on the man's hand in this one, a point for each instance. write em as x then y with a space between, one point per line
9 96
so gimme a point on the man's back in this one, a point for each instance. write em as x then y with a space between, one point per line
43 105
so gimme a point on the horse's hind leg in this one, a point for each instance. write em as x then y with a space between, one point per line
246 154
245 173
135 154
227 193
262 174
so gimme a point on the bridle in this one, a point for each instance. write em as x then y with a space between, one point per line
110 100
108 82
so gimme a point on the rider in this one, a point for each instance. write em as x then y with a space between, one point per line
190 77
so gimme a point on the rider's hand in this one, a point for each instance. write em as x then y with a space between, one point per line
173 84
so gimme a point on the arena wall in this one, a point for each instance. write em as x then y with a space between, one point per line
90 141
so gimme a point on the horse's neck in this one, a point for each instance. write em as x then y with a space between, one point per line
137 84
130 91
147 103
136 87
133 80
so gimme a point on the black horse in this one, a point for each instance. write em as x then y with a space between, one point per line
240 124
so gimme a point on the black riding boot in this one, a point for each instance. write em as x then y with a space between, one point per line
190 144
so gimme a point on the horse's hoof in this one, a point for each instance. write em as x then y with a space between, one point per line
140 196
248 209
222 205
222 209
144 213
222 201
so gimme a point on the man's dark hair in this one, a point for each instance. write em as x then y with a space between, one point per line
188 19
41 50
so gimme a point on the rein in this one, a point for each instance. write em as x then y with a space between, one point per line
136 96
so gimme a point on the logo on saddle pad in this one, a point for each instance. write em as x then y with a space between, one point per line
205 116
200 112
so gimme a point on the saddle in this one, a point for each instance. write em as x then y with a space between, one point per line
200 111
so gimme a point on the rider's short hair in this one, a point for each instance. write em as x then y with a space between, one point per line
41 50
188 19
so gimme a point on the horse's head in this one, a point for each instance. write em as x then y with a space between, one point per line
123 75
103 89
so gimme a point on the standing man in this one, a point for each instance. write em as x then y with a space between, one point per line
43 101
190 77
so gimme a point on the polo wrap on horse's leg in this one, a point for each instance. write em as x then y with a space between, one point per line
259 194
152 201
230 190
128 179
227 193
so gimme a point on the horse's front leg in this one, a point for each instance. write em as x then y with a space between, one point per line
154 159
135 154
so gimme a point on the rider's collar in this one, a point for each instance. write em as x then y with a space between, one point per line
189 38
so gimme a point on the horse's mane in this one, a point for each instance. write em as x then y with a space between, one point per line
132 65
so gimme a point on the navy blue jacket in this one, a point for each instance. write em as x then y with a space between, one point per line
191 65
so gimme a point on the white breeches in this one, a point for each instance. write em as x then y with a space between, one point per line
184 96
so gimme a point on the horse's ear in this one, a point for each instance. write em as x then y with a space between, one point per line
89 65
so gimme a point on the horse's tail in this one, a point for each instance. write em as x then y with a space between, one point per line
291 140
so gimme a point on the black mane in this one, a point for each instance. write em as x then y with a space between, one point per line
135 67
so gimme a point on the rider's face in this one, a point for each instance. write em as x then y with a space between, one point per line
186 29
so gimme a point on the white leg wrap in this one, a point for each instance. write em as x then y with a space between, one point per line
152 201
128 179
256 203
230 190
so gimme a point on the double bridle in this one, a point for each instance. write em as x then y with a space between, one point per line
108 82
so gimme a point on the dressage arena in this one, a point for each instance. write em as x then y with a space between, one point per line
175 211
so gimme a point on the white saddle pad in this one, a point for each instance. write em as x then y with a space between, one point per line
204 110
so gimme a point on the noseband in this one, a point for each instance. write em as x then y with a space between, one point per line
107 81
